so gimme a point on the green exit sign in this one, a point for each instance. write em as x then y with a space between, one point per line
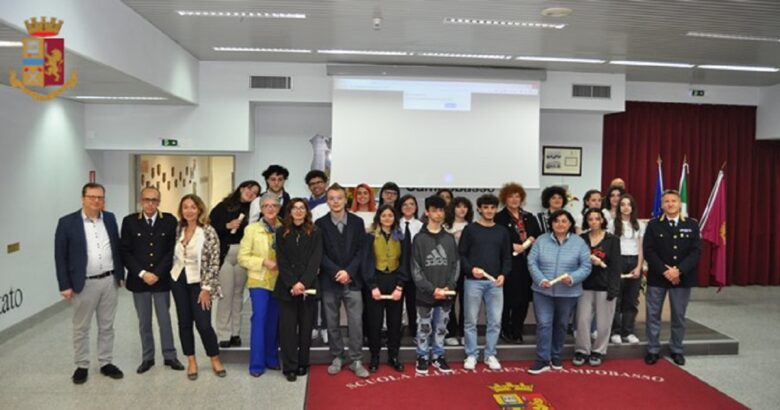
170 143
696 93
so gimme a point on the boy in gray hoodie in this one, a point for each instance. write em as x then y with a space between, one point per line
435 268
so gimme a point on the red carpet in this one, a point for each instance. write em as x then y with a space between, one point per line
617 384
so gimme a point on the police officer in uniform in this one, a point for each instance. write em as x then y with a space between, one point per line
672 247
148 239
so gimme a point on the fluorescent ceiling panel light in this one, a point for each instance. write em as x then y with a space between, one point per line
732 37
562 60
740 68
241 14
502 23
462 55
651 64
118 98
366 52
263 50
10 43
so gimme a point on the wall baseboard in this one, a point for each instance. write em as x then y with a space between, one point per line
28 323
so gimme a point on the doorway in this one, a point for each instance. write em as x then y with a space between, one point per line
209 177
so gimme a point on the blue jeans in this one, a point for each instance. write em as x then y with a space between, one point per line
431 330
264 342
476 292
552 317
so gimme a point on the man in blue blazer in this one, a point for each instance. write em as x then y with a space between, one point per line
89 270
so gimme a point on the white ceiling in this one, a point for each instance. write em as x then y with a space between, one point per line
603 29
94 79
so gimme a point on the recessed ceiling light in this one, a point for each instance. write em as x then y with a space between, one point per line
366 52
118 98
740 68
651 64
10 43
501 23
263 50
241 14
562 60
557 12
461 55
732 37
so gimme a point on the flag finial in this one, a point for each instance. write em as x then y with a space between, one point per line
659 159
723 167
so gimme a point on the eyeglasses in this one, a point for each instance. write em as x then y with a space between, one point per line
299 208
151 200
267 206
316 182
94 197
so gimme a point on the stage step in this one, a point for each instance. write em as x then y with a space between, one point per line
699 340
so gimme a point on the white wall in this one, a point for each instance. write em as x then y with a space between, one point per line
680 93
43 166
557 90
220 123
768 114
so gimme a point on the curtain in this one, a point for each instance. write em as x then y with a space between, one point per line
708 136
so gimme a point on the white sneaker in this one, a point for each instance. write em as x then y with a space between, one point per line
594 335
492 363
315 333
470 363
632 339
616 339
451 341
324 335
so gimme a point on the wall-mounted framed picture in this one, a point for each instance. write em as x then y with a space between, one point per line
566 161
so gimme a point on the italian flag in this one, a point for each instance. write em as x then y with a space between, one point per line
684 189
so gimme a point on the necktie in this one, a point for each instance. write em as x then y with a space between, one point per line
673 223
149 221
408 244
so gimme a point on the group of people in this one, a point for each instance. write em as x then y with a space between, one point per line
385 264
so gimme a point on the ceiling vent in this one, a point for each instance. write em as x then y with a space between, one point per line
273 83
591 91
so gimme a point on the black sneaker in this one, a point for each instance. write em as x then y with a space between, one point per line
539 367
422 365
595 359
579 359
441 364
556 363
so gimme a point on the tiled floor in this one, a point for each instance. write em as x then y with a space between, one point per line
36 364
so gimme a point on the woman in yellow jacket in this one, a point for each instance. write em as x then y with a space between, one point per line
256 254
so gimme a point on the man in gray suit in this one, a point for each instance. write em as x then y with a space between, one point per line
148 239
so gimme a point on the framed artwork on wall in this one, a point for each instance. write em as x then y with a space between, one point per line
566 161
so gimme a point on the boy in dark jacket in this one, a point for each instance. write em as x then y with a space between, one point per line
435 267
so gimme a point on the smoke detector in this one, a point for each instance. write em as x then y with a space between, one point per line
557 12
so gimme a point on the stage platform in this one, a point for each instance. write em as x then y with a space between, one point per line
699 340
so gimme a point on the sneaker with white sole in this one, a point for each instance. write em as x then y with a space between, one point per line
632 339
556 363
616 339
422 365
492 363
470 363
539 367
451 341
359 370
579 359
441 364
594 335
335 366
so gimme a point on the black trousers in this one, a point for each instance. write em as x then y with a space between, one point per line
188 310
517 296
392 310
296 320
626 306
455 325
410 299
